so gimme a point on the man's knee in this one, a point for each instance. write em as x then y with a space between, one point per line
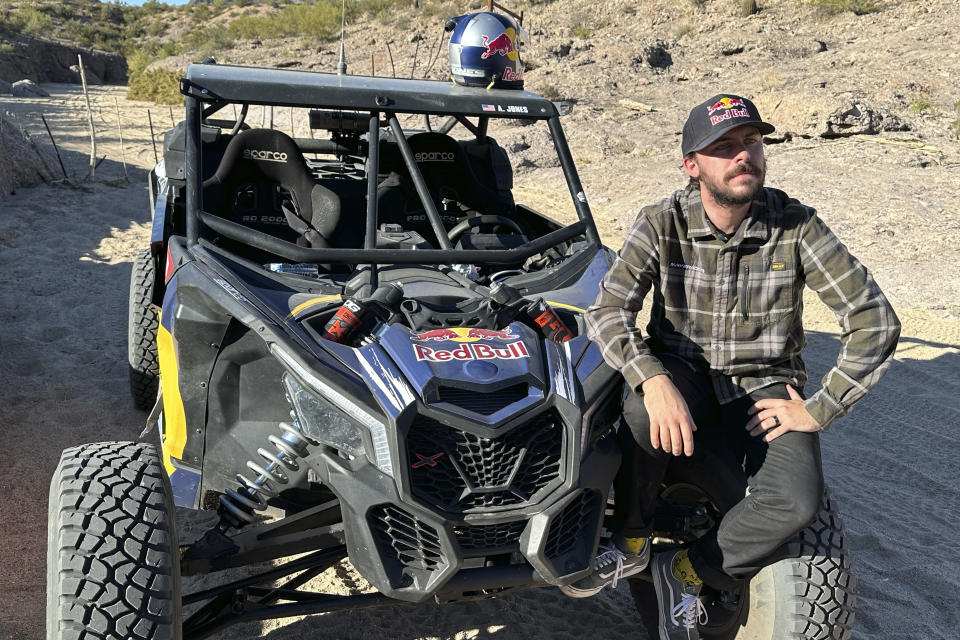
806 504
794 504
638 424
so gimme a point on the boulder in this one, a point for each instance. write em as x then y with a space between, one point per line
28 89
856 118
5 87
44 61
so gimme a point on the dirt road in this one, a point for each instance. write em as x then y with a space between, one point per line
65 257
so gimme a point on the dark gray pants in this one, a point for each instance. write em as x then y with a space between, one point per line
784 477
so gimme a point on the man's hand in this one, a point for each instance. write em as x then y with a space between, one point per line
671 425
776 417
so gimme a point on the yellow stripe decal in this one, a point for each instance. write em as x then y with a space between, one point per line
312 301
565 306
174 436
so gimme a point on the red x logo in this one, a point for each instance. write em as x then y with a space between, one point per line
426 461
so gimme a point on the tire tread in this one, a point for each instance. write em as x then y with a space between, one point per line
821 578
142 325
113 546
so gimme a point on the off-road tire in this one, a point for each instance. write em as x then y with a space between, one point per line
142 324
807 595
113 563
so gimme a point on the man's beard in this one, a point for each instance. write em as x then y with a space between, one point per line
726 196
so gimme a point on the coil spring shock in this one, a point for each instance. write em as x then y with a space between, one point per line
238 505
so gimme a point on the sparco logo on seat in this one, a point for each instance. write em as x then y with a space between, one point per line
270 156
434 156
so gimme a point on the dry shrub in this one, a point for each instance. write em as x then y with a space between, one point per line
156 85
858 7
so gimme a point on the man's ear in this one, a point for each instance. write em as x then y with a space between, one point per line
690 164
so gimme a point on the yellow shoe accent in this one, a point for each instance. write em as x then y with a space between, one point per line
683 570
633 545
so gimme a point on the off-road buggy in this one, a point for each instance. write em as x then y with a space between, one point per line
357 344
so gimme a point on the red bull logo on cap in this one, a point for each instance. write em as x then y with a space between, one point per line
729 107
502 45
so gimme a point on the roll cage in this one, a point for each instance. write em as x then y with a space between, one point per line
208 88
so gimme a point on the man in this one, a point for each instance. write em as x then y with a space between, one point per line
727 260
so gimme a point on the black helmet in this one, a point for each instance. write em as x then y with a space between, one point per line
484 48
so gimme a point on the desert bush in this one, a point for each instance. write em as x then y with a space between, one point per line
200 12
32 21
921 104
858 7
207 40
98 35
155 29
152 7
581 31
550 92
318 20
111 13
158 85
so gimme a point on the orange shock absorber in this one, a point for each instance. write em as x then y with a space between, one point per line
347 318
549 322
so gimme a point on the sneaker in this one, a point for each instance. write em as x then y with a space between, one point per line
611 565
678 591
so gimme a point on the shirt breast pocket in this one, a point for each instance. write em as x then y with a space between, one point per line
769 290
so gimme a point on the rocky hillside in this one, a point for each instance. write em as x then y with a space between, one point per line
816 71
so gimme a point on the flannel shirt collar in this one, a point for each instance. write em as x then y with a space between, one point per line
698 226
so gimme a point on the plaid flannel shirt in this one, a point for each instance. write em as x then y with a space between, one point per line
733 309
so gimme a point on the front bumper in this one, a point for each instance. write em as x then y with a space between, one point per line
410 551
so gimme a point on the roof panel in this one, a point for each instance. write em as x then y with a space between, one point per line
287 87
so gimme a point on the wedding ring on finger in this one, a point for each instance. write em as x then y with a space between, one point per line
776 422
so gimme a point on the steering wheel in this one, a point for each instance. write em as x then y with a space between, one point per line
476 221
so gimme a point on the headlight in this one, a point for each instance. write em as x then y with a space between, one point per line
338 423
322 422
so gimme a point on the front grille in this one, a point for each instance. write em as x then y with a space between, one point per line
489 536
458 471
573 524
406 543
482 403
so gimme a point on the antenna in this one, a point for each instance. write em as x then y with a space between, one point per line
342 63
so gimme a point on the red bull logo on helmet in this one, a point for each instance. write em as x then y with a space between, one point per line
502 45
730 110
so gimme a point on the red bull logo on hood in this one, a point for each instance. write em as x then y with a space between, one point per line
502 45
465 334
511 351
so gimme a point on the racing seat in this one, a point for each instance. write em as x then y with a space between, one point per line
472 174
263 182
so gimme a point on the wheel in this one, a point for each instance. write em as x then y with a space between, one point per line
113 562
142 323
806 595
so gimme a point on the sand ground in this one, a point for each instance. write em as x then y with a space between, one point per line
893 464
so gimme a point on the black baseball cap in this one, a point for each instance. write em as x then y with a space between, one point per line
712 118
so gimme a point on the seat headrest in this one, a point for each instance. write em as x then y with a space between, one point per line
441 161
266 151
